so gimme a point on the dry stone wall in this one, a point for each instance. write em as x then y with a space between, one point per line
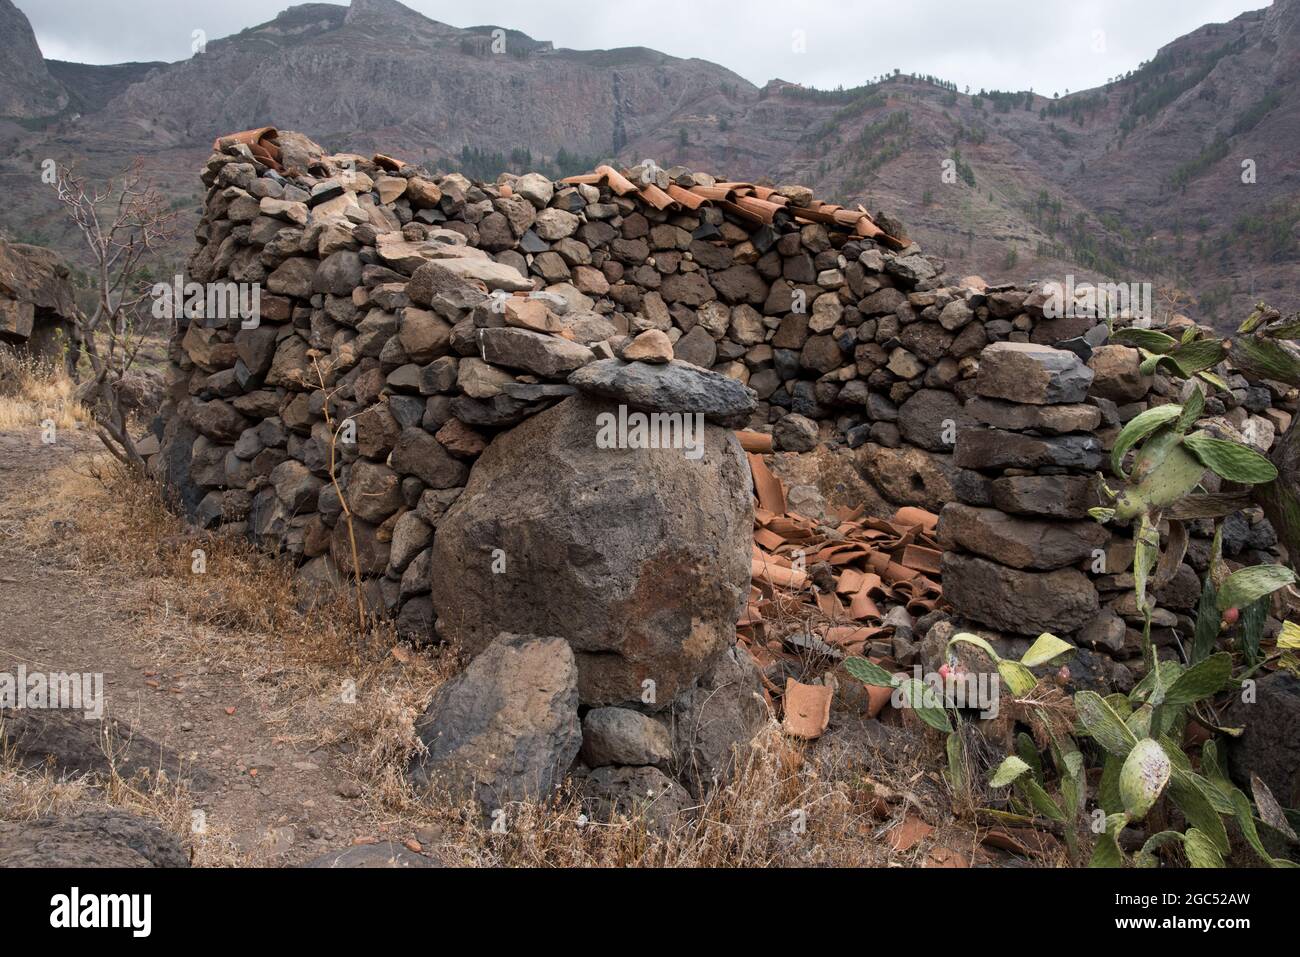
435 308
407 319
1022 555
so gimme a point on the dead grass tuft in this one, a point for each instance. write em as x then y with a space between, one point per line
30 793
785 807
32 392
100 518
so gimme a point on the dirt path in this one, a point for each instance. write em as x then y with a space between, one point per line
277 796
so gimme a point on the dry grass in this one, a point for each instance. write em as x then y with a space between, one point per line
100 519
33 392
783 808
28 793
241 614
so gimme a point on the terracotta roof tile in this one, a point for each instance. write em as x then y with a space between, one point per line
873 563
760 205
261 141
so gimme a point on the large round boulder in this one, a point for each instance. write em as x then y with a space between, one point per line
638 557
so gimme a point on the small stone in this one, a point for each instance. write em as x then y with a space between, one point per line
1118 375
460 440
1051 419
650 346
535 352
795 433
620 736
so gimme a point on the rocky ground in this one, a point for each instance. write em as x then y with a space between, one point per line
214 709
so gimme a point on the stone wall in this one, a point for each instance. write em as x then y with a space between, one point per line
1022 556
406 319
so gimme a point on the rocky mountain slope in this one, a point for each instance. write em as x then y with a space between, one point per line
1138 181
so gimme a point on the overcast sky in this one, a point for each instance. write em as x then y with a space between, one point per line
1047 45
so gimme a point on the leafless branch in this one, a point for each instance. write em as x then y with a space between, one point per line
124 223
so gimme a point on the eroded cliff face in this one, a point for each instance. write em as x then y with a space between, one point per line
26 88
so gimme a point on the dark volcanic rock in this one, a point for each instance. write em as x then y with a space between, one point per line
639 557
1018 542
647 793
1270 745
1033 374
671 387
93 839
995 449
1052 496
1020 602
506 728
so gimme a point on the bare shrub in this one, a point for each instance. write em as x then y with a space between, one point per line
123 223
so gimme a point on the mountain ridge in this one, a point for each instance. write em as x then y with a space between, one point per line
1139 180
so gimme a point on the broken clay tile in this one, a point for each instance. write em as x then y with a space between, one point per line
777 575
946 857
910 832
917 516
750 216
877 698
807 709
767 212
849 581
830 606
262 142
1026 842
686 198
872 561
616 180
793 530
656 197
922 559
744 201
714 193
862 607
757 442
771 494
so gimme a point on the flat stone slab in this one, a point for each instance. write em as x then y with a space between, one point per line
506 728
1020 602
669 387
1050 419
536 352
1019 542
1033 374
1051 496
998 449
494 275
